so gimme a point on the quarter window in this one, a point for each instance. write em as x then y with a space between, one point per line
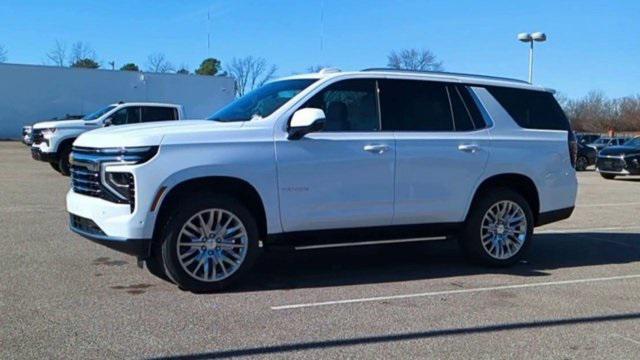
531 109
349 105
412 105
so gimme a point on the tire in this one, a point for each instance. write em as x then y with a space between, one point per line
581 163
156 266
205 264
608 176
513 247
55 166
63 162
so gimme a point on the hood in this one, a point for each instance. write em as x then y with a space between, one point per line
619 150
64 124
150 134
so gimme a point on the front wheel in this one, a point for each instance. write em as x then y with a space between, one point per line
499 228
55 166
608 176
209 243
63 162
581 163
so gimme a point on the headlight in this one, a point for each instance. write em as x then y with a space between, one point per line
46 133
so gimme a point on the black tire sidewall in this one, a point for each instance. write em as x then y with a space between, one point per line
55 166
586 163
185 211
470 240
63 161
608 176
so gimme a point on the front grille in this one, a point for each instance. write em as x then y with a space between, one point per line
85 174
36 136
85 181
85 225
610 164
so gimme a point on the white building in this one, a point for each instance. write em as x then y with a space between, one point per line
32 93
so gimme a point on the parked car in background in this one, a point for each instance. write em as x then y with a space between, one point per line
604 142
586 157
620 160
330 159
586 139
26 134
52 140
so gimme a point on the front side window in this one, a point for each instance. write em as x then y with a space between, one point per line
413 105
349 105
128 115
261 102
157 113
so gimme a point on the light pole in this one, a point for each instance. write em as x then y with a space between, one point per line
530 38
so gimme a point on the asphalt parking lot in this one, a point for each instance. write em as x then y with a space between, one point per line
576 296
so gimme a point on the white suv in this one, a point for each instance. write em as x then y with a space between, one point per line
329 159
51 140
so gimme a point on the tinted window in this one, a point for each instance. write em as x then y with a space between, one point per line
348 105
156 113
472 106
128 115
461 115
531 109
409 105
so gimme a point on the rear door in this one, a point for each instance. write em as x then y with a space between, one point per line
442 147
158 113
126 115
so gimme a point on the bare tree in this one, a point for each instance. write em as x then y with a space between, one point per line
158 63
250 73
414 59
81 51
3 54
58 54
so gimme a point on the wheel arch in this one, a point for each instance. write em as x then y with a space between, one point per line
233 186
520 183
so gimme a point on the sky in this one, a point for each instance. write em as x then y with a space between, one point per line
592 45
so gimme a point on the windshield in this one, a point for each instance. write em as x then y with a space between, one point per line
261 102
98 113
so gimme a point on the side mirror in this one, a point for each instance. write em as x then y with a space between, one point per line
306 121
108 122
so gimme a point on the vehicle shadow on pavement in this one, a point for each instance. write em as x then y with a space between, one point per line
280 269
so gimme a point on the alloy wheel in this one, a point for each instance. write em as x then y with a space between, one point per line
503 229
212 245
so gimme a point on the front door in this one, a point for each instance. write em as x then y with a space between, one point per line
343 176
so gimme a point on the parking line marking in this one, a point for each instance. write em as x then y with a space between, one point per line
454 292
608 204
584 230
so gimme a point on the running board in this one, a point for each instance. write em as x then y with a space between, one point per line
367 243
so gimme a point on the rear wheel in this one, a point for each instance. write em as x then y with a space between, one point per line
63 162
581 163
55 166
608 176
210 243
499 228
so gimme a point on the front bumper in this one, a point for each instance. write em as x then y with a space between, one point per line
618 165
37 154
90 230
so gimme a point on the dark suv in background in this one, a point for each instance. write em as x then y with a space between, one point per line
620 160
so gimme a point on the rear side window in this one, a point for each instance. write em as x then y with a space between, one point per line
531 109
157 113
412 105
128 115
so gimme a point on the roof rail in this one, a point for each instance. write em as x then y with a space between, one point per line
447 73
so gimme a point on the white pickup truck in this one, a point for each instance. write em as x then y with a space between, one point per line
52 140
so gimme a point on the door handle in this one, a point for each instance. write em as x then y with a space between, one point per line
470 148
377 148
